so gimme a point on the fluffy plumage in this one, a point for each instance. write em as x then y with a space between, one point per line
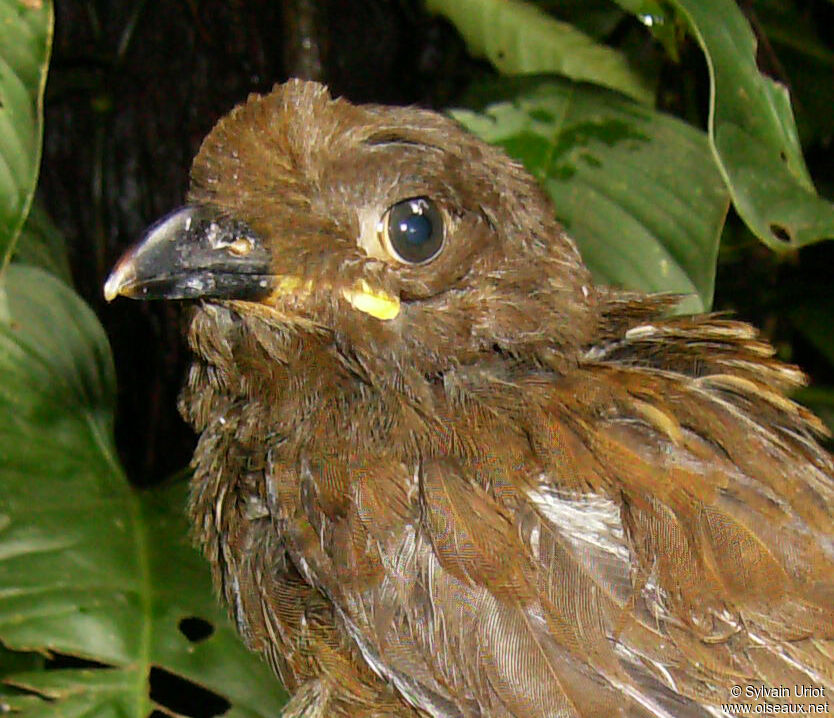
524 495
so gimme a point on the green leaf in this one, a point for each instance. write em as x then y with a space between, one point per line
655 16
17 662
25 42
650 12
519 38
42 245
753 134
808 63
89 566
596 18
635 188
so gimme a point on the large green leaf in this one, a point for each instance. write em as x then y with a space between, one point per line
25 42
519 38
89 566
635 188
41 244
753 134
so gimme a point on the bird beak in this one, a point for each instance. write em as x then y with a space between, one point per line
192 253
196 253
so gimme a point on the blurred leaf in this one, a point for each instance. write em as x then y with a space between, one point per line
42 245
12 662
657 18
650 12
753 134
808 64
519 38
90 567
596 18
635 188
814 321
25 42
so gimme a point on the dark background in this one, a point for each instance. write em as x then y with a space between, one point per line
134 86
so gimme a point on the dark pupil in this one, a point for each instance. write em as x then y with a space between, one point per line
415 230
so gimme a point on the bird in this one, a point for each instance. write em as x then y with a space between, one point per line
441 472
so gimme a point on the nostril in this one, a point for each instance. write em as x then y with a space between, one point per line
240 247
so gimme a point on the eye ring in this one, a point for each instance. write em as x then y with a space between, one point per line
413 230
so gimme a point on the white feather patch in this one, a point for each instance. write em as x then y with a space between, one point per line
588 519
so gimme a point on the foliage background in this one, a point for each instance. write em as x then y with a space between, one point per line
104 607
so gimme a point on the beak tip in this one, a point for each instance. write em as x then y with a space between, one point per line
117 281
110 291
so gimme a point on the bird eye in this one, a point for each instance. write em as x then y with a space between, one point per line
413 230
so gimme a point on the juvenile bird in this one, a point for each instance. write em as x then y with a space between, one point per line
440 473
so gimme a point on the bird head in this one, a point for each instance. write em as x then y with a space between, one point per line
392 231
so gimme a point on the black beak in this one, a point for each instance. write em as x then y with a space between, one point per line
194 252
